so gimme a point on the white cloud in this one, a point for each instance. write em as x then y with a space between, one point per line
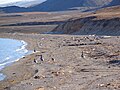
21 3
8 1
11 1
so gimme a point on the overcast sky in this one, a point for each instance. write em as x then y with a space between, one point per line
8 1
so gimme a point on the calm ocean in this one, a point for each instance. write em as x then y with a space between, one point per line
10 51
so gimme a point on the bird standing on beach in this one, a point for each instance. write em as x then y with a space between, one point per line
41 58
82 55
34 50
35 61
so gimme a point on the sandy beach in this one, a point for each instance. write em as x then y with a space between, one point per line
69 62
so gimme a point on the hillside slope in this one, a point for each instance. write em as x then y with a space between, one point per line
103 22
12 9
60 5
114 3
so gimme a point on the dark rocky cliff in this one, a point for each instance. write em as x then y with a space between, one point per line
102 23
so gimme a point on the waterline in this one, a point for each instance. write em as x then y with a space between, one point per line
10 51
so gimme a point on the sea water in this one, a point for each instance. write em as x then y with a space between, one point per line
10 51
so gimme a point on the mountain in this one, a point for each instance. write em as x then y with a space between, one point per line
62 5
12 9
114 3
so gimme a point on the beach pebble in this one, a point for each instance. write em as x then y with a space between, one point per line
119 86
14 73
42 76
108 84
95 58
42 38
36 71
55 87
37 77
101 85
56 73
30 84
7 88
40 88
69 71
23 57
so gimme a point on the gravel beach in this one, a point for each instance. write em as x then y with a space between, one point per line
65 62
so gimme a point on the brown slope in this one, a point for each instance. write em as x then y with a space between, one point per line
103 22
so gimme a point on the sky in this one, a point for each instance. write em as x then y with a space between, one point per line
9 1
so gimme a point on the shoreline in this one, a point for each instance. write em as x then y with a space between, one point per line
5 71
62 66
9 63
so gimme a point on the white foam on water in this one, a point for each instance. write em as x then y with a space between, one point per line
13 54
22 47
106 36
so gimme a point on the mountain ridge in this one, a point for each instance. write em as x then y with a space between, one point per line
61 5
